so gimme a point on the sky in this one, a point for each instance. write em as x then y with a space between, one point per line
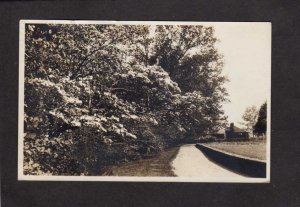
246 48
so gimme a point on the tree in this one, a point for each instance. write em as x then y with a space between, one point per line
189 55
261 124
250 117
100 94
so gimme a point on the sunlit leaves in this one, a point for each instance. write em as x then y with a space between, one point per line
100 94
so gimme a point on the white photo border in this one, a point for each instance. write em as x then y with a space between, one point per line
21 175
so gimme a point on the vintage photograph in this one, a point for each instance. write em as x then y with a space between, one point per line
144 101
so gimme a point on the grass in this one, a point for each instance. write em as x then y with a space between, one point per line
251 149
159 165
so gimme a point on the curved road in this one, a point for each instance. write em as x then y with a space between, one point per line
191 162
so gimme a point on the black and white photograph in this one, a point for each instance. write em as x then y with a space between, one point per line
144 101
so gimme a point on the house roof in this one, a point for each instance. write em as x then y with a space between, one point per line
236 129
221 131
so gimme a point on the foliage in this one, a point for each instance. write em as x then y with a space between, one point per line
261 125
96 95
250 117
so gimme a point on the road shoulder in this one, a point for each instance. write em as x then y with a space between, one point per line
159 165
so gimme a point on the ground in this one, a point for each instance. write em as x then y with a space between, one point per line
251 149
183 161
191 162
156 166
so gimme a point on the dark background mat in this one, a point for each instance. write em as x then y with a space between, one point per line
285 137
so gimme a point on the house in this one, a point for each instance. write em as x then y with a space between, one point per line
231 132
234 132
219 135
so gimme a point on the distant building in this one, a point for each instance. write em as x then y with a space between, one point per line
219 135
231 132
234 132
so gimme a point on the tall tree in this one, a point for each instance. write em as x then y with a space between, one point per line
249 118
189 55
261 124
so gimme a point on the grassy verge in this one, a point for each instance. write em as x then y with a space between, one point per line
251 149
159 165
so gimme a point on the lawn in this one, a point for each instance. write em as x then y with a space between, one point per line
251 149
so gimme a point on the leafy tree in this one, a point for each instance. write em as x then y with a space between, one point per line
173 43
96 95
250 117
261 124
189 55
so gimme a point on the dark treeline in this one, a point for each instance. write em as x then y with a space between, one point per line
96 95
260 127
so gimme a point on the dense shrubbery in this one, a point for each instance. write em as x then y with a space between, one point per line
100 94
